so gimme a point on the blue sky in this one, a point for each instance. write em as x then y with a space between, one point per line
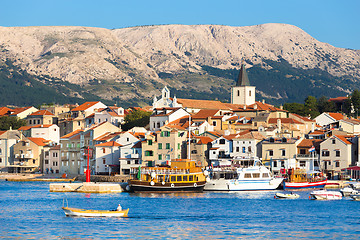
333 21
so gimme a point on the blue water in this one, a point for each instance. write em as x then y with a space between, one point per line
29 211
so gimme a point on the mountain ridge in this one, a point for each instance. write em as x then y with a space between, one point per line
133 64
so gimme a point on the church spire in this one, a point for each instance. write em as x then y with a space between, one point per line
243 79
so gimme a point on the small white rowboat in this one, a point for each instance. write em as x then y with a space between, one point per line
77 212
286 195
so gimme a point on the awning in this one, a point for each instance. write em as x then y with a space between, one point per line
352 168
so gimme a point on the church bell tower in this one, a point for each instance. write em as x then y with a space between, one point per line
243 93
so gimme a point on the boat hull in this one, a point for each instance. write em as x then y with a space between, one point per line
143 186
325 195
355 197
77 212
242 185
304 185
284 196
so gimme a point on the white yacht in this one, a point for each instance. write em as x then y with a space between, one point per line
256 177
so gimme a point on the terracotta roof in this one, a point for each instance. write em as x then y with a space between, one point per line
230 137
250 135
107 136
4 111
343 138
202 104
303 118
72 133
308 143
24 128
338 99
137 145
353 121
38 141
284 120
41 113
2 132
91 116
336 116
318 132
181 123
16 111
138 134
84 106
203 140
205 113
109 144
57 147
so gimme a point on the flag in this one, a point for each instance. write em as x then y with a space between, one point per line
312 149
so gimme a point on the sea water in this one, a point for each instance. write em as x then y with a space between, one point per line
29 211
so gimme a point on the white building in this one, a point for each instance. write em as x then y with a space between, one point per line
49 132
7 140
327 118
107 157
161 117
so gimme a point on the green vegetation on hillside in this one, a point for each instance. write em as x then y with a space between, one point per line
6 122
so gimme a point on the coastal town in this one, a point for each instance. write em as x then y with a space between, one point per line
60 139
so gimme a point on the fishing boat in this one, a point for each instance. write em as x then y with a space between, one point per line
256 177
286 195
77 212
183 175
301 179
325 195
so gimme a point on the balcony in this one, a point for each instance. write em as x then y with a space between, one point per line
24 156
307 156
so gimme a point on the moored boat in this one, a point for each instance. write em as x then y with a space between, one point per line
77 212
300 179
356 196
286 195
347 191
325 195
181 176
256 177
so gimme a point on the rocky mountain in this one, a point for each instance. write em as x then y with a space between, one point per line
131 65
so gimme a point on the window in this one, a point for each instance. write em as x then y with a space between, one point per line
149 153
337 164
167 157
283 152
337 153
173 178
30 122
179 146
247 175
237 149
333 141
302 151
249 93
325 153
104 161
167 145
249 149
238 93
302 163
275 164
265 175
271 153
282 164
256 175
127 139
149 142
159 147
194 152
46 161
243 149
179 178
159 157
165 134
222 141
104 150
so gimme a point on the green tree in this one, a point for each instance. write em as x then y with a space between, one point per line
311 106
6 122
324 105
355 100
297 108
136 118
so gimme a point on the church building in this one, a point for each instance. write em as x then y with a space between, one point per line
243 93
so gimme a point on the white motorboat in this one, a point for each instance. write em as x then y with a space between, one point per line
256 177
325 195
356 197
347 191
286 195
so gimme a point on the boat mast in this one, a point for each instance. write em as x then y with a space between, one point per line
189 136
